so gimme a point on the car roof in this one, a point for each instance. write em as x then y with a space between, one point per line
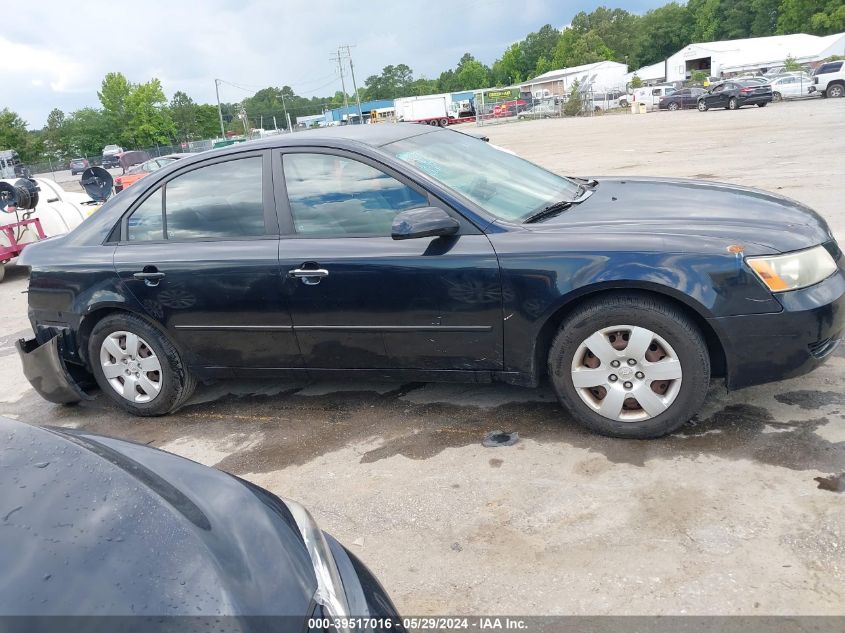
373 135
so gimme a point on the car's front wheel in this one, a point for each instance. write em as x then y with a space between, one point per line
836 91
137 366
673 106
702 105
630 366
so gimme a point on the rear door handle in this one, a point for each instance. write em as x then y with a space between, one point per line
309 276
149 278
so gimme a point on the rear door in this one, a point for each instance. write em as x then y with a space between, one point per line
200 253
376 303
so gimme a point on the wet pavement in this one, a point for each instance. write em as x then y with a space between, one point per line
740 512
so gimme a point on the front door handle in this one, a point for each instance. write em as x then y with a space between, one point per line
309 276
149 278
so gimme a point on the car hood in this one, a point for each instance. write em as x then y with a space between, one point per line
97 526
677 207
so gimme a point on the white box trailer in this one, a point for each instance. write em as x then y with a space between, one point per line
437 109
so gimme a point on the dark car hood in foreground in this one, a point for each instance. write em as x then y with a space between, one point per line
96 526
694 208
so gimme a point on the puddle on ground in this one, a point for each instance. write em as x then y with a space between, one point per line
811 399
834 483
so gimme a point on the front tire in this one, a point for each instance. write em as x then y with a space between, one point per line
777 97
702 106
648 360
137 366
835 91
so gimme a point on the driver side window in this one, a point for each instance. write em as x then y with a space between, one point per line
335 195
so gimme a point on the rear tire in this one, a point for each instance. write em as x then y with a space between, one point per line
444 122
672 333
173 380
673 106
763 105
733 104
776 96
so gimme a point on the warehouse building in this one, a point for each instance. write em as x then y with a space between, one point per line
599 76
758 54
649 75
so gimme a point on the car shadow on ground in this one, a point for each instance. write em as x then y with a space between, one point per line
267 426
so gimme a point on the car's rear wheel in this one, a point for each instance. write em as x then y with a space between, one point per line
733 104
702 105
137 366
762 104
673 106
776 96
630 366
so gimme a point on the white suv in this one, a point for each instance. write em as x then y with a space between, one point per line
829 79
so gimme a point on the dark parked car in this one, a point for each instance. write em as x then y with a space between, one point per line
95 526
132 158
78 165
407 252
680 99
735 94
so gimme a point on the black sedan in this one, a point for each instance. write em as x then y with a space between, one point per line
95 526
732 95
681 99
412 253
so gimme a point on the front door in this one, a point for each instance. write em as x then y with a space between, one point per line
373 302
200 254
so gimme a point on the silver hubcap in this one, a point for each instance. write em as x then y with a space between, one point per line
626 373
701 106
131 366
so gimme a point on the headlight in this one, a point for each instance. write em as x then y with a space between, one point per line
794 270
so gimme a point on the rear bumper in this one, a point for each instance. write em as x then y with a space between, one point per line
48 373
763 348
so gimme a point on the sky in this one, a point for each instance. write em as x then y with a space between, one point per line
60 51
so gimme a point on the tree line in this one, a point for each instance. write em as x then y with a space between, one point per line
139 115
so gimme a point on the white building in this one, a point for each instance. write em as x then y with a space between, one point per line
650 75
751 55
599 76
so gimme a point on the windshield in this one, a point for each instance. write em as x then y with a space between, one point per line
504 185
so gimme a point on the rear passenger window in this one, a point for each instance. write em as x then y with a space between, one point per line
145 222
221 201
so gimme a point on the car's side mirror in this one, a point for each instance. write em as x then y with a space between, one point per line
425 222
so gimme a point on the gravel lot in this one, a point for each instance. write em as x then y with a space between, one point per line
725 517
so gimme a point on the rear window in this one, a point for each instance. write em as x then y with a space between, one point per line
830 67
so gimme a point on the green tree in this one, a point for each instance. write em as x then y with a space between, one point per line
617 28
183 112
575 49
790 65
471 75
541 43
148 118
87 132
574 103
13 135
820 17
663 32
636 82
113 94
506 69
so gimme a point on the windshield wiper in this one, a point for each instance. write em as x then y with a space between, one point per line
558 207
547 212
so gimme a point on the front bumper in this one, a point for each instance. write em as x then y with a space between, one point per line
46 370
764 348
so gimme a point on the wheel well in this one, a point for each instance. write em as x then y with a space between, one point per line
715 349
87 325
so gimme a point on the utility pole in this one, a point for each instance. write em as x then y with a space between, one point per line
285 108
354 85
219 111
339 61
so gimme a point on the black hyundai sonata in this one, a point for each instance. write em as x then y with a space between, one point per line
409 252
94 526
